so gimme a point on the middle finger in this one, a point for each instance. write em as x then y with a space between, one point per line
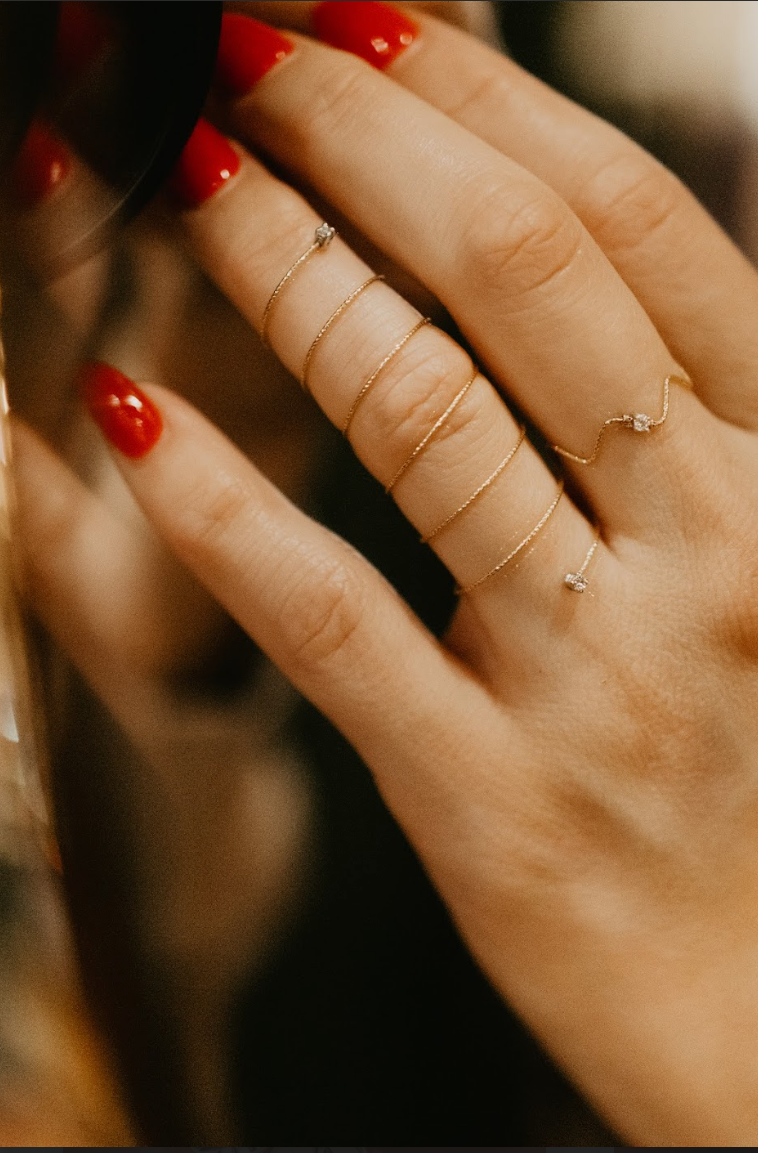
539 301
419 415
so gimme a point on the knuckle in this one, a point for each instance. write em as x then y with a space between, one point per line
405 410
322 611
261 250
486 94
519 248
471 416
214 522
336 102
631 199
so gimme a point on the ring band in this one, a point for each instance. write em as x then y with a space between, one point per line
519 547
322 238
368 383
422 444
482 488
328 324
636 421
577 581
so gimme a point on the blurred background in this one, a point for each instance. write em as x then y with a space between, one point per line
213 929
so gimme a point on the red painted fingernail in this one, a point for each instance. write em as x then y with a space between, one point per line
247 50
125 416
207 162
42 164
367 28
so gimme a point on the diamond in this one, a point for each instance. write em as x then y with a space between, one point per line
576 581
324 233
641 422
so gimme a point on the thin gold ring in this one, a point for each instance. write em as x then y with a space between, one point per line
328 324
322 238
639 422
578 581
519 547
368 383
482 488
422 444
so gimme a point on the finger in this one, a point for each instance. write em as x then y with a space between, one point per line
422 419
534 294
98 583
697 287
54 202
321 612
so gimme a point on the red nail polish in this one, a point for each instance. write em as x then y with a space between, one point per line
247 50
367 28
126 417
207 162
42 164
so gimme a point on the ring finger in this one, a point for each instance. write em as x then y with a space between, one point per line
420 416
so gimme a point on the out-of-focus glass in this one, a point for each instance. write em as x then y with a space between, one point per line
22 799
120 85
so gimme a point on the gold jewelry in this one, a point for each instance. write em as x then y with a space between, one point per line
435 428
637 422
328 324
390 356
322 238
519 547
482 487
577 581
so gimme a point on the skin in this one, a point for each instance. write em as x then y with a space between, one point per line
202 920
579 775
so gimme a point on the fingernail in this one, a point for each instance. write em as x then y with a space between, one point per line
367 28
247 50
40 167
126 417
207 162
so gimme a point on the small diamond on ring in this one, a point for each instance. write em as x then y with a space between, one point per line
641 422
576 581
324 233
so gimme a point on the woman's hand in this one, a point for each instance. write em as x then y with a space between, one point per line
578 772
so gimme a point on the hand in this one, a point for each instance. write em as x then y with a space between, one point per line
577 772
